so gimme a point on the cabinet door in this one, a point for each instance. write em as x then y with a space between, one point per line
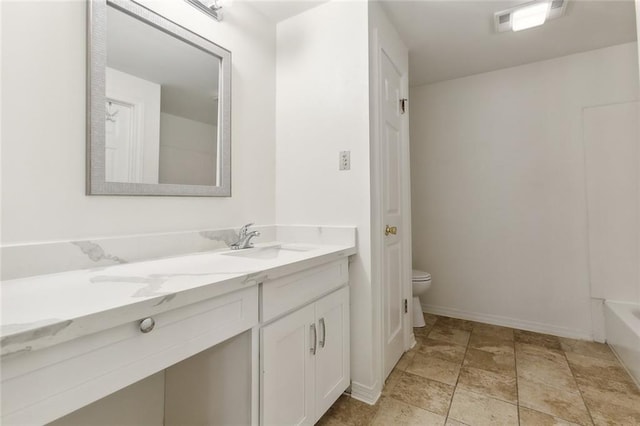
332 358
288 369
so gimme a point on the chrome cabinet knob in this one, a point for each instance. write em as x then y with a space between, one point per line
147 324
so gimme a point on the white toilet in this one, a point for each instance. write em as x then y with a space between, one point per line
421 282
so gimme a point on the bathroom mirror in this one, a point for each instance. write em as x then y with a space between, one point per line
159 106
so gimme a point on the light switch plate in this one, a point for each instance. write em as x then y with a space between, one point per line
345 160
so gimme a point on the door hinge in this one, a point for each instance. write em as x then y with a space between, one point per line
403 105
406 306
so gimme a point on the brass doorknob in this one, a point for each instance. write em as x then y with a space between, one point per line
390 230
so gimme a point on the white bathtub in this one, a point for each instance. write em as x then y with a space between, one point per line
622 329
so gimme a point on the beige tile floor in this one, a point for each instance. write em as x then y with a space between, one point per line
468 373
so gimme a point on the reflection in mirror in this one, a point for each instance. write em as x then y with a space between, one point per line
165 106
167 92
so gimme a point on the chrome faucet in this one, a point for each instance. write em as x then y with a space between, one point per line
244 238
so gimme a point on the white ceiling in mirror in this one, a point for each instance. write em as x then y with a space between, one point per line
185 74
278 11
452 39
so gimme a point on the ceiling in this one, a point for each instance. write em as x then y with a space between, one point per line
451 38
278 11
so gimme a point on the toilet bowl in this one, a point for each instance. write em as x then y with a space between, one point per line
421 281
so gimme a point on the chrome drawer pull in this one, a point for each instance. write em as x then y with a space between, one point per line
323 333
314 340
147 324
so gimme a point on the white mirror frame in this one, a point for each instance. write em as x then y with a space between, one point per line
96 96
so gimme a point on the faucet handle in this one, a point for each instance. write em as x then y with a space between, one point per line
244 229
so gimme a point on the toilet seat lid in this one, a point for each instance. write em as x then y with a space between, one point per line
420 276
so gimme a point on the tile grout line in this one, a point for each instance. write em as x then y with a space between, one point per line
455 386
446 416
573 374
466 350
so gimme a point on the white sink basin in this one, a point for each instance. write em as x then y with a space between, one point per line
271 252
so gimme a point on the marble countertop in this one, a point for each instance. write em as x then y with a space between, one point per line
45 310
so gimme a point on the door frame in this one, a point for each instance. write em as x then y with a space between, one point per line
396 53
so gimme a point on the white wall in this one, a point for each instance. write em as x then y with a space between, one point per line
498 188
43 128
322 108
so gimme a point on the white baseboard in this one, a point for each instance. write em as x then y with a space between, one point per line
507 322
368 394
597 320
412 341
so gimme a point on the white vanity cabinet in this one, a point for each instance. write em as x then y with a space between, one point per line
247 337
305 353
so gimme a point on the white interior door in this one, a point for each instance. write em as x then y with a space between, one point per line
392 264
132 128
120 142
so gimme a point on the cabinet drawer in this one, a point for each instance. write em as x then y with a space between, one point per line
288 293
41 386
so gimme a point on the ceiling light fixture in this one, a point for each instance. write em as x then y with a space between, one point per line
210 7
529 15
